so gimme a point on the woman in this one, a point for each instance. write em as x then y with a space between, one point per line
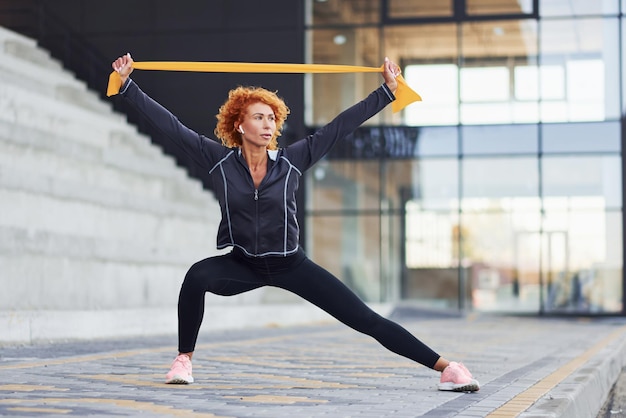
255 184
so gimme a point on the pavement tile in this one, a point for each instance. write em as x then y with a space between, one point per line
313 371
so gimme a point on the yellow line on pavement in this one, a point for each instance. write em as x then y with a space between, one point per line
525 399
122 403
130 353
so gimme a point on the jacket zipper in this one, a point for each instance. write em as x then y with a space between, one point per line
256 223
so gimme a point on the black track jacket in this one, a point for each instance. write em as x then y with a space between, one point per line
261 222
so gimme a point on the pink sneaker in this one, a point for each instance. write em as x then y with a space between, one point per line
457 378
180 373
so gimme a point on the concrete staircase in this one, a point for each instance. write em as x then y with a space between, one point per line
97 225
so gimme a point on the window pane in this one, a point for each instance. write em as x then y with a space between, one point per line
333 93
419 8
582 260
377 142
344 185
434 76
431 182
437 141
578 7
496 85
490 179
507 139
401 179
430 241
502 251
432 257
500 238
474 80
347 12
350 248
527 85
581 137
429 238
501 38
586 50
479 7
585 182
430 53
435 184
440 101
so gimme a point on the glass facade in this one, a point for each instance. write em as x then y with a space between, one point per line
501 190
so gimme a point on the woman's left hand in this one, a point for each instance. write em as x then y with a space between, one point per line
391 71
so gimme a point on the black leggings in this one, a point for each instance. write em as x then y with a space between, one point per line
234 273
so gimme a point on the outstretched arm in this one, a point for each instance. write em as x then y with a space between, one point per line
201 149
308 151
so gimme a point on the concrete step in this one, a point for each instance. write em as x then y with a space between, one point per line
58 214
23 179
69 284
26 49
61 84
107 131
68 271
122 138
28 108
88 167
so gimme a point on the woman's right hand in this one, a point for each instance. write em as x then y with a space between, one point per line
124 66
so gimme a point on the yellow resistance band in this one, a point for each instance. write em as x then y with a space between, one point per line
404 94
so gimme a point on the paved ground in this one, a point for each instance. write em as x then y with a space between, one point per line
528 367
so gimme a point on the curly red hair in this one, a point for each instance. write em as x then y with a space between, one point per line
232 111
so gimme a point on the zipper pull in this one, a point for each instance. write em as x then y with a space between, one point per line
256 194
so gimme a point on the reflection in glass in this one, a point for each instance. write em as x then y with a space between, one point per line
488 183
333 93
400 179
350 247
501 251
398 9
474 80
431 234
582 261
529 87
483 89
580 195
437 141
578 7
430 237
493 50
582 182
440 105
504 81
586 50
499 230
345 185
581 137
510 195
434 183
344 12
481 7
432 256
499 139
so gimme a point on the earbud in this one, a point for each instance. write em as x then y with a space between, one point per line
241 129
